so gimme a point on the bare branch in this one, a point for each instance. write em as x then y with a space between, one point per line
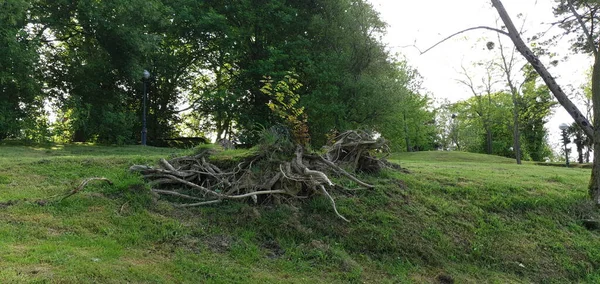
279 191
83 184
198 204
174 193
298 178
463 31
332 203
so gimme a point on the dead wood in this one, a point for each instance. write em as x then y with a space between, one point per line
83 184
262 178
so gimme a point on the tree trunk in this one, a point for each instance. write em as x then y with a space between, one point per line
488 130
587 154
543 72
406 134
516 132
594 188
579 144
594 191
220 130
488 141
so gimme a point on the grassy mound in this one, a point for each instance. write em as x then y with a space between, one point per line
456 217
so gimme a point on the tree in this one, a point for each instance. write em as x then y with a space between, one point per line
444 124
349 79
535 106
507 66
95 53
210 56
584 96
483 106
20 91
474 133
588 39
580 140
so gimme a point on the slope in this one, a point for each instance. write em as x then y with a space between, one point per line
456 217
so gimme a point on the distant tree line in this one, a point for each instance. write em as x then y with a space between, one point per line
484 123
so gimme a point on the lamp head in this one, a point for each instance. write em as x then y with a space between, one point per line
563 126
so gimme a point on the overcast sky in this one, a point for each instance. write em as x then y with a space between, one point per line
424 23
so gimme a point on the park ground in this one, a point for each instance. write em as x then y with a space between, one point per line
454 218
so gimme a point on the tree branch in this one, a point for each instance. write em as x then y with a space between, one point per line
586 32
463 31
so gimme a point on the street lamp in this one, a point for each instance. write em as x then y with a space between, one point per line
563 127
454 130
146 76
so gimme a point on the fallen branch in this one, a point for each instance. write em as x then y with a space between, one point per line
174 193
83 184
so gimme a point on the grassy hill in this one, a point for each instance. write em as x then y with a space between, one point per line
457 217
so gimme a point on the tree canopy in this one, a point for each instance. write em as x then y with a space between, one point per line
209 61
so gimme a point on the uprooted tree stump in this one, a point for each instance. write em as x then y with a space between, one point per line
274 173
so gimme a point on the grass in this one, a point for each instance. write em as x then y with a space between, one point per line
459 217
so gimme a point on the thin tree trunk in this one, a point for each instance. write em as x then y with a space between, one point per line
587 154
488 130
488 141
514 94
516 132
220 130
580 152
406 134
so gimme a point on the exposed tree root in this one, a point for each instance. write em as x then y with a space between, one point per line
264 178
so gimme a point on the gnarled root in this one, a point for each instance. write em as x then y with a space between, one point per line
199 182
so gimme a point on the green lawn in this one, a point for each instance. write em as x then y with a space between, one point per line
457 216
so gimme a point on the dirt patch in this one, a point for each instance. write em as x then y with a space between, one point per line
8 203
401 184
274 250
219 243
39 270
444 279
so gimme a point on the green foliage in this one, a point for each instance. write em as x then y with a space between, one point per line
283 103
470 125
212 56
356 84
93 67
284 98
476 116
535 107
20 92
206 55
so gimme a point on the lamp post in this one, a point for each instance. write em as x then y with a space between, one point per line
146 76
563 127
454 131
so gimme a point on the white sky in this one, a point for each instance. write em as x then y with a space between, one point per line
424 23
